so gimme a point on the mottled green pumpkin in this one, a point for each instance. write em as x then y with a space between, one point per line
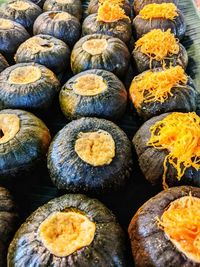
150 244
3 63
28 86
59 24
45 50
93 93
74 166
73 7
107 248
97 51
23 144
23 12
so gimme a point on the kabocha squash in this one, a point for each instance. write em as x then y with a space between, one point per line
124 4
3 63
139 4
97 51
8 223
27 86
90 155
23 12
46 50
59 24
40 3
23 144
72 230
159 91
12 34
110 20
165 231
159 49
168 149
160 16
72 7
93 93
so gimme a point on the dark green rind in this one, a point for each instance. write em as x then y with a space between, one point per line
107 248
69 172
3 63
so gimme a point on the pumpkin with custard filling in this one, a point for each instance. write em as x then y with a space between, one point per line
72 230
165 231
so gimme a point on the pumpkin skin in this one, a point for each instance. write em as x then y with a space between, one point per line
115 58
94 5
139 4
11 37
120 29
67 29
3 63
8 222
150 246
151 160
39 3
68 171
35 95
177 25
142 61
113 253
27 148
73 7
25 17
52 52
109 104
184 99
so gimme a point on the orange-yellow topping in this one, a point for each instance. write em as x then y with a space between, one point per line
110 12
181 223
179 134
158 45
156 85
164 10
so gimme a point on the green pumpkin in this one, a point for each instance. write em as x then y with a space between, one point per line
23 144
97 51
45 50
3 63
120 29
102 244
73 7
12 34
93 93
151 246
8 222
28 86
59 24
23 12
77 167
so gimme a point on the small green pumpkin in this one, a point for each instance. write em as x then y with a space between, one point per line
77 167
151 246
23 12
73 7
23 144
93 93
45 50
12 34
97 51
3 63
8 223
80 232
59 24
28 86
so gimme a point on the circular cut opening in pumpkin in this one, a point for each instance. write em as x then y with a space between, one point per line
19 5
95 46
63 233
65 1
89 85
60 16
25 75
6 24
9 127
37 44
95 148
181 224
